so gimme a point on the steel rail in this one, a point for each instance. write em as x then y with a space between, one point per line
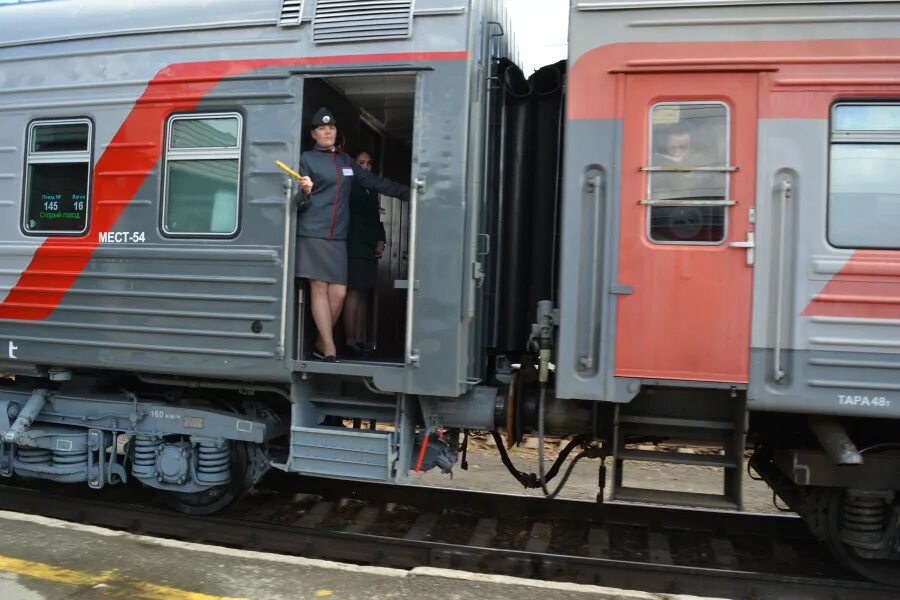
723 522
398 552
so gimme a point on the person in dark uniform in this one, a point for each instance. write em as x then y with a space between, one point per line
365 243
323 200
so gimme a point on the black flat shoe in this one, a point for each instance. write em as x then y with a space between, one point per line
319 356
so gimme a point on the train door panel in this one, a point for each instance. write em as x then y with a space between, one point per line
389 323
686 226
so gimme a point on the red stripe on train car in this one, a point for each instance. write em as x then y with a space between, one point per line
867 286
866 66
128 159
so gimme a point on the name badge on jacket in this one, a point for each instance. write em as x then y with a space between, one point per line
348 171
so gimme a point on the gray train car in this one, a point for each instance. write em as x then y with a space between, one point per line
686 232
147 236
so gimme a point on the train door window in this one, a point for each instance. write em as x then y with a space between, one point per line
687 183
57 178
864 186
202 175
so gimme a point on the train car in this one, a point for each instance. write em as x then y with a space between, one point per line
729 248
148 301
683 232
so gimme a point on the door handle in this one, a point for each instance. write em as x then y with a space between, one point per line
412 354
587 360
749 245
778 371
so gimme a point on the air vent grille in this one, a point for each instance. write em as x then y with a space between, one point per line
357 20
291 10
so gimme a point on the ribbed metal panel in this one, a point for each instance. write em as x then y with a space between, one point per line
358 20
291 10
338 452
153 300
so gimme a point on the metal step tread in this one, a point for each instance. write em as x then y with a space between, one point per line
355 401
647 496
365 369
674 422
680 458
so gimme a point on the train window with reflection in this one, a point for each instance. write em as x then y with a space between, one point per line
202 175
864 181
687 182
57 177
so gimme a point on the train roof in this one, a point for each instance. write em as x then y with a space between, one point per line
587 5
46 21
62 20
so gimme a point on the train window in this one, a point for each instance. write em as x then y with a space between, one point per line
864 184
57 177
687 183
202 175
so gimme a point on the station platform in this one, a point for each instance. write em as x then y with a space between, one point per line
44 558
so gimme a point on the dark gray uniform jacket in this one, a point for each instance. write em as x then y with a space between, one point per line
333 175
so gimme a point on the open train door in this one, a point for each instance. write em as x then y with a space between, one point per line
687 218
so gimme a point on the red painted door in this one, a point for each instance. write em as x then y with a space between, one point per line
687 206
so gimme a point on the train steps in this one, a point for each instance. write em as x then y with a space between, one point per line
326 442
716 426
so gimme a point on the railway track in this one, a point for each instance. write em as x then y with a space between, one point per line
653 549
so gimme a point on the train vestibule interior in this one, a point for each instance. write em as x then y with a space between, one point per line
374 114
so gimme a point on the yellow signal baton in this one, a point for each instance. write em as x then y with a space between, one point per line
289 170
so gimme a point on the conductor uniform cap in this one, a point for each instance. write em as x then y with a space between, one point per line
323 116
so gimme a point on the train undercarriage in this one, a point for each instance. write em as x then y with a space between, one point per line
843 478
202 448
201 454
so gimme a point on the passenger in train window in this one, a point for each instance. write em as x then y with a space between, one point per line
365 243
681 160
677 145
686 155
321 249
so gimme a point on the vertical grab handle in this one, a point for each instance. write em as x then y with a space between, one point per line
778 372
588 359
286 279
412 354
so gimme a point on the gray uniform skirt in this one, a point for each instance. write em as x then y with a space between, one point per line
318 258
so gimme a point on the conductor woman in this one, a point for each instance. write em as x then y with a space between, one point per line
328 176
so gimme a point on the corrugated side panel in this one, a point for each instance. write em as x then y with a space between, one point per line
340 452
203 310
853 333
358 20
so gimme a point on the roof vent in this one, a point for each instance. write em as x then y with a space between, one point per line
357 20
291 11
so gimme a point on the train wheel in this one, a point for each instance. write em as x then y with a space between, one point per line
217 498
882 571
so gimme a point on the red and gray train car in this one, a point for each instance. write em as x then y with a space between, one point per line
760 277
688 231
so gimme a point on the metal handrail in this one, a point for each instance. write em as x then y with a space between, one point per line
674 169
778 370
412 354
688 202
586 362
285 274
